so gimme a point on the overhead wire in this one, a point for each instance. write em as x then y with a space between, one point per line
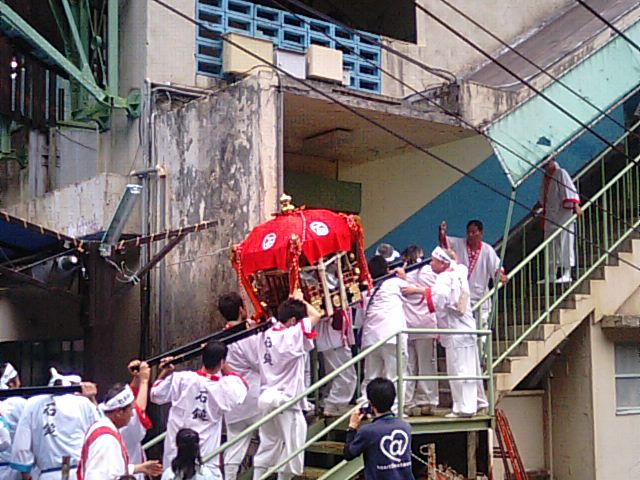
553 77
478 130
598 15
384 128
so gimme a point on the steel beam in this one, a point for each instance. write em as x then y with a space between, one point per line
113 47
75 34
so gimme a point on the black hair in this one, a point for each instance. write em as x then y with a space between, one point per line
475 223
381 393
188 456
229 305
213 353
412 254
291 308
378 266
114 390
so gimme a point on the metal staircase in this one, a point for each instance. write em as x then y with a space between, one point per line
533 313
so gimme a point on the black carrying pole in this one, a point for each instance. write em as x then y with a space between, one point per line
415 266
193 349
33 391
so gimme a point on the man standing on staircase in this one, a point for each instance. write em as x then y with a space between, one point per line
449 299
481 260
559 200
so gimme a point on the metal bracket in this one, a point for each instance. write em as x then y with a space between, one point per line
8 127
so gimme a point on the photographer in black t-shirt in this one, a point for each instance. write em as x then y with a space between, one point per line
385 443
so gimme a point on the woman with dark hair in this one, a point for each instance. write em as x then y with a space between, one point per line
188 464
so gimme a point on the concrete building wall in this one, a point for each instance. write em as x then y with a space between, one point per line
394 188
525 413
80 209
572 414
505 18
617 442
221 156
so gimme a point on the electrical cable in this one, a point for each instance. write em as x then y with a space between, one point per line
449 112
438 72
536 90
385 128
609 24
535 65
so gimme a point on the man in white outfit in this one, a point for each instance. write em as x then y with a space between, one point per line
482 262
334 345
243 359
559 200
10 413
104 455
449 298
52 427
383 315
199 400
421 397
282 351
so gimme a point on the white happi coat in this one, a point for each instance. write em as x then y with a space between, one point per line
558 197
282 356
134 433
384 313
198 401
104 455
50 428
243 359
483 269
11 411
447 298
416 310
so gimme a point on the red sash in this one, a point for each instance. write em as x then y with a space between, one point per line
93 436
473 258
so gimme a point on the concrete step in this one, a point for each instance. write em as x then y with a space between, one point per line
513 332
312 473
327 447
526 317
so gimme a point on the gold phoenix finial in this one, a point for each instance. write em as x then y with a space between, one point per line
285 204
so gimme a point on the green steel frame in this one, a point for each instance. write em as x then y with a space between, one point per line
73 18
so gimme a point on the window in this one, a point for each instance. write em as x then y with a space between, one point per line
627 378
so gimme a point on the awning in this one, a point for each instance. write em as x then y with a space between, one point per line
20 238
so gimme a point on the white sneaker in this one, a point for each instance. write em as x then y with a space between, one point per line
458 415
565 278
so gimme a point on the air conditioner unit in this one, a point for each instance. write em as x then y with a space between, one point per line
237 61
324 64
293 63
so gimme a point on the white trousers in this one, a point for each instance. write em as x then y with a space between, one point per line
234 455
8 473
381 362
421 361
343 386
280 437
562 252
468 395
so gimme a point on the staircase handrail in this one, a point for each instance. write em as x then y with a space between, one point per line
352 362
544 244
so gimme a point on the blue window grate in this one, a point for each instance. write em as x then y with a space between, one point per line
287 32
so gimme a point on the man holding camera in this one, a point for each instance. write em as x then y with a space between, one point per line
385 443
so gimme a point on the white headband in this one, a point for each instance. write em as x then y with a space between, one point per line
65 380
123 399
440 254
9 374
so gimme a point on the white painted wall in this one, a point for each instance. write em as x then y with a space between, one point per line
393 188
617 436
524 411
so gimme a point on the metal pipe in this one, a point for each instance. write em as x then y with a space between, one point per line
400 373
162 270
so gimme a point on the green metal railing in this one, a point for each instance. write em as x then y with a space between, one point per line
400 379
531 294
